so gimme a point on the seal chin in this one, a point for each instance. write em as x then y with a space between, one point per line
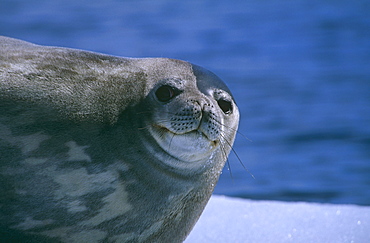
190 147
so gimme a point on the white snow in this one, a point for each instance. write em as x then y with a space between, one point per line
234 220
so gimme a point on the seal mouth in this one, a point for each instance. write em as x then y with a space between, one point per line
194 133
188 147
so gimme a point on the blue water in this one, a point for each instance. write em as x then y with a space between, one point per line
299 70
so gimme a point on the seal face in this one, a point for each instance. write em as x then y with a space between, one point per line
101 148
186 123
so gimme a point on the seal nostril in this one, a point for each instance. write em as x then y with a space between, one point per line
225 105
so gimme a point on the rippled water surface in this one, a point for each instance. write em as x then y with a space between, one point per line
299 70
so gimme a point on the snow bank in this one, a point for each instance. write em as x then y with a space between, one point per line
239 220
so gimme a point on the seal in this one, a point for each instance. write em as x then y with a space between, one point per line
98 148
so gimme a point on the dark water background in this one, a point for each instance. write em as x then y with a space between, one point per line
299 70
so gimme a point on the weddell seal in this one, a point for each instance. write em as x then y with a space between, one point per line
97 148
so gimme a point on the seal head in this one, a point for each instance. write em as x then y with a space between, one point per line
187 123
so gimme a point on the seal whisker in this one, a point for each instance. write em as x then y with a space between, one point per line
222 147
169 145
235 130
142 128
245 137
239 159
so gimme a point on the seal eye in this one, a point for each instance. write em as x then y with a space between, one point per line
225 105
165 93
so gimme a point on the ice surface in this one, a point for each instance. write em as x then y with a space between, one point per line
228 219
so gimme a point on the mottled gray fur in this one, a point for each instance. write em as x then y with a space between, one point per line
81 151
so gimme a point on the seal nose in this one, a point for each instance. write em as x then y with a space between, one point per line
210 124
198 115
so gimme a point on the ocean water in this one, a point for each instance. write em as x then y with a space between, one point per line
299 70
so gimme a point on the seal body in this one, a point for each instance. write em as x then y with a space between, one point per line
100 148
